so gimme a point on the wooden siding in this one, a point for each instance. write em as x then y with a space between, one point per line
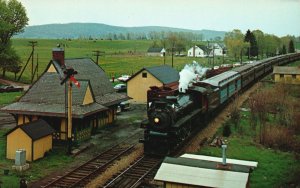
138 86
88 98
288 79
51 68
22 119
41 146
18 139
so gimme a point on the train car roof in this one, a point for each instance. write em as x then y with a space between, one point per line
242 68
221 79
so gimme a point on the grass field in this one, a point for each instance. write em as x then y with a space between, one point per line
121 57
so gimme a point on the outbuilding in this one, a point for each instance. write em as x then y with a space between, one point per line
140 82
156 52
35 137
190 171
287 75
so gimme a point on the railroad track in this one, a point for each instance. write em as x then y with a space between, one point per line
82 175
135 174
6 119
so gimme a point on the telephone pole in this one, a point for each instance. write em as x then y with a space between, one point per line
32 44
98 53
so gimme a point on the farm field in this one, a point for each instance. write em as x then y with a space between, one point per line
121 57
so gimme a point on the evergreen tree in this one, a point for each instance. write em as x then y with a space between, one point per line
283 49
291 47
253 49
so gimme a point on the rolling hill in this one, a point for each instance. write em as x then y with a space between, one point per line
97 30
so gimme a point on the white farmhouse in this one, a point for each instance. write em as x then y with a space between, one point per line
197 51
216 49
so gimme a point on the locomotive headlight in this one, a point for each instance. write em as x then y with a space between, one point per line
156 120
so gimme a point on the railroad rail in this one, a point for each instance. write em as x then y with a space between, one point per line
81 175
134 175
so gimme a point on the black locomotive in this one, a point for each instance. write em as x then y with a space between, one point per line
173 116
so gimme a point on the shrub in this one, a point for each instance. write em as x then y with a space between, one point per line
226 129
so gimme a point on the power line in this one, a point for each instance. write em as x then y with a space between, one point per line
98 53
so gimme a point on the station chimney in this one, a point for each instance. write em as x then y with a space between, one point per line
58 54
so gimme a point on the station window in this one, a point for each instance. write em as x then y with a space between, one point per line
294 76
281 75
144 75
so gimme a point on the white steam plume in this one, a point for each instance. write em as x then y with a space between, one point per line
190 73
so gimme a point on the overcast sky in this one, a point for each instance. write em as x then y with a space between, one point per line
279 17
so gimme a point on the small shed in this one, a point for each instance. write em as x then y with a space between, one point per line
287 75
156 52
140 82
189 171
35 137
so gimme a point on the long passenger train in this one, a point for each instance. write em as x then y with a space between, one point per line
173 116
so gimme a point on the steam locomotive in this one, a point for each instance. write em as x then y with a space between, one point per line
173 116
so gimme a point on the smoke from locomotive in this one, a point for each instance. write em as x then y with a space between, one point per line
190 73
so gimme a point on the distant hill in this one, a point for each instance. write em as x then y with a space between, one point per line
96 30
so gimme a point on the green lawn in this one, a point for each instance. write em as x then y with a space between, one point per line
7 98
275 168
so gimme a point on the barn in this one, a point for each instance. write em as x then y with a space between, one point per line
94 104
156 52
140 82
35 137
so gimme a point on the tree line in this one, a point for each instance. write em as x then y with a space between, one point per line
257 44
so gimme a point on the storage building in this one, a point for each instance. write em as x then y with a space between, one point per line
140 82
287 75
35 137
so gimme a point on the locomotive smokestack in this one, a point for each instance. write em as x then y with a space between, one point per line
224 154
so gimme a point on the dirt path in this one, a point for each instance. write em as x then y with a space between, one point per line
9 82
209 131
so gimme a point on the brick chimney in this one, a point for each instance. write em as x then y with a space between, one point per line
58 54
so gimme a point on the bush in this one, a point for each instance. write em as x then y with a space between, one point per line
226 129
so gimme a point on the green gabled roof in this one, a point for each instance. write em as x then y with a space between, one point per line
164 73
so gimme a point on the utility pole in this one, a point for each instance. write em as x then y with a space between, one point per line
172 56
32 44
98 53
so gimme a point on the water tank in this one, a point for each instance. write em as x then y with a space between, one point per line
20 157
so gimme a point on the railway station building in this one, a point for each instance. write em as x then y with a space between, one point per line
191 171
141 81
94 104
287 75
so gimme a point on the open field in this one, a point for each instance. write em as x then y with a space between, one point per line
121 57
